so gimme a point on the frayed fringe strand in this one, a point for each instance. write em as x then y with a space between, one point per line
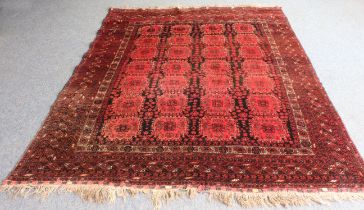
104 194
283 198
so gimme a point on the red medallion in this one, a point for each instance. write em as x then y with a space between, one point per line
243 28
259 84
263 104
251 67
171 104
246 39
147 41
251 52
217 104
214 39
178 52
179 40
176 68
215 67
141 68
170 128
120 128
216 52
126 105
213 28
218 129
144 53
151 30
133 84
181 29
173 83
213 83
268 129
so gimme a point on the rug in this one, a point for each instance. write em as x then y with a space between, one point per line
175 102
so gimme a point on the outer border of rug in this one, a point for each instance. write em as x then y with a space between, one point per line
103 193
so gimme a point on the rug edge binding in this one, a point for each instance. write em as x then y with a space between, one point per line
255 198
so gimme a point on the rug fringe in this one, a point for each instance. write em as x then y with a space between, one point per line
105 194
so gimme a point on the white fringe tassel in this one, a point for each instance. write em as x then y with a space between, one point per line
103 194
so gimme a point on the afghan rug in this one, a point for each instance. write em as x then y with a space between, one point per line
173 102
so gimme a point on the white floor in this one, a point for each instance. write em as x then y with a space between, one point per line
42 41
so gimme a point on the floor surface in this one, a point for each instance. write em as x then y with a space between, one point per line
41 41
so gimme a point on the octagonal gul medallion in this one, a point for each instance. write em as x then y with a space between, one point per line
141 68
243 28
151 30
173 83
178 52
251 52
170 128
175 68
255 67
214 39
218 129
126 105
147 41
262 104
144 53
246 39
120 128
268 129
179 40
212 28
214 52
171 104
217 104
259 84
132 85
218 84
181 29
216 67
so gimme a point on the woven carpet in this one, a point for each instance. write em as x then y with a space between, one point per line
173 102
